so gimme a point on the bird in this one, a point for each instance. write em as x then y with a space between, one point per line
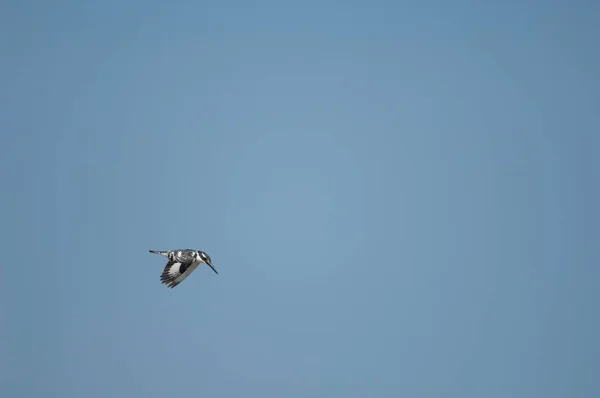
180 264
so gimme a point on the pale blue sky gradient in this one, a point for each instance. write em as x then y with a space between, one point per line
401 198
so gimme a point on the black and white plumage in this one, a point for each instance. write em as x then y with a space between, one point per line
181 263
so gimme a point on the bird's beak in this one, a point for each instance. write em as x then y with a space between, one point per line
213 268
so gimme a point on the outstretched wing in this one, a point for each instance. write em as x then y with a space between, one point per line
175 272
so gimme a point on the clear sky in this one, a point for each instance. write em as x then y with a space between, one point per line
401 198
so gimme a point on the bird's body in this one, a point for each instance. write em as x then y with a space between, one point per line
181 263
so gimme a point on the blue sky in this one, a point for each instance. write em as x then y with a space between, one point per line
400 198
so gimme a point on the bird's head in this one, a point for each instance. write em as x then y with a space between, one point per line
205 258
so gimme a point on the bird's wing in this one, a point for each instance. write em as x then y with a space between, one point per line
175 272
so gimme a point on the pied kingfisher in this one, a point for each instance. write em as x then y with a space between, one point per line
181 263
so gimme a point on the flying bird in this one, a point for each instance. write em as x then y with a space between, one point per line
181 263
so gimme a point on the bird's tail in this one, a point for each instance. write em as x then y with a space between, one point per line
162 253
